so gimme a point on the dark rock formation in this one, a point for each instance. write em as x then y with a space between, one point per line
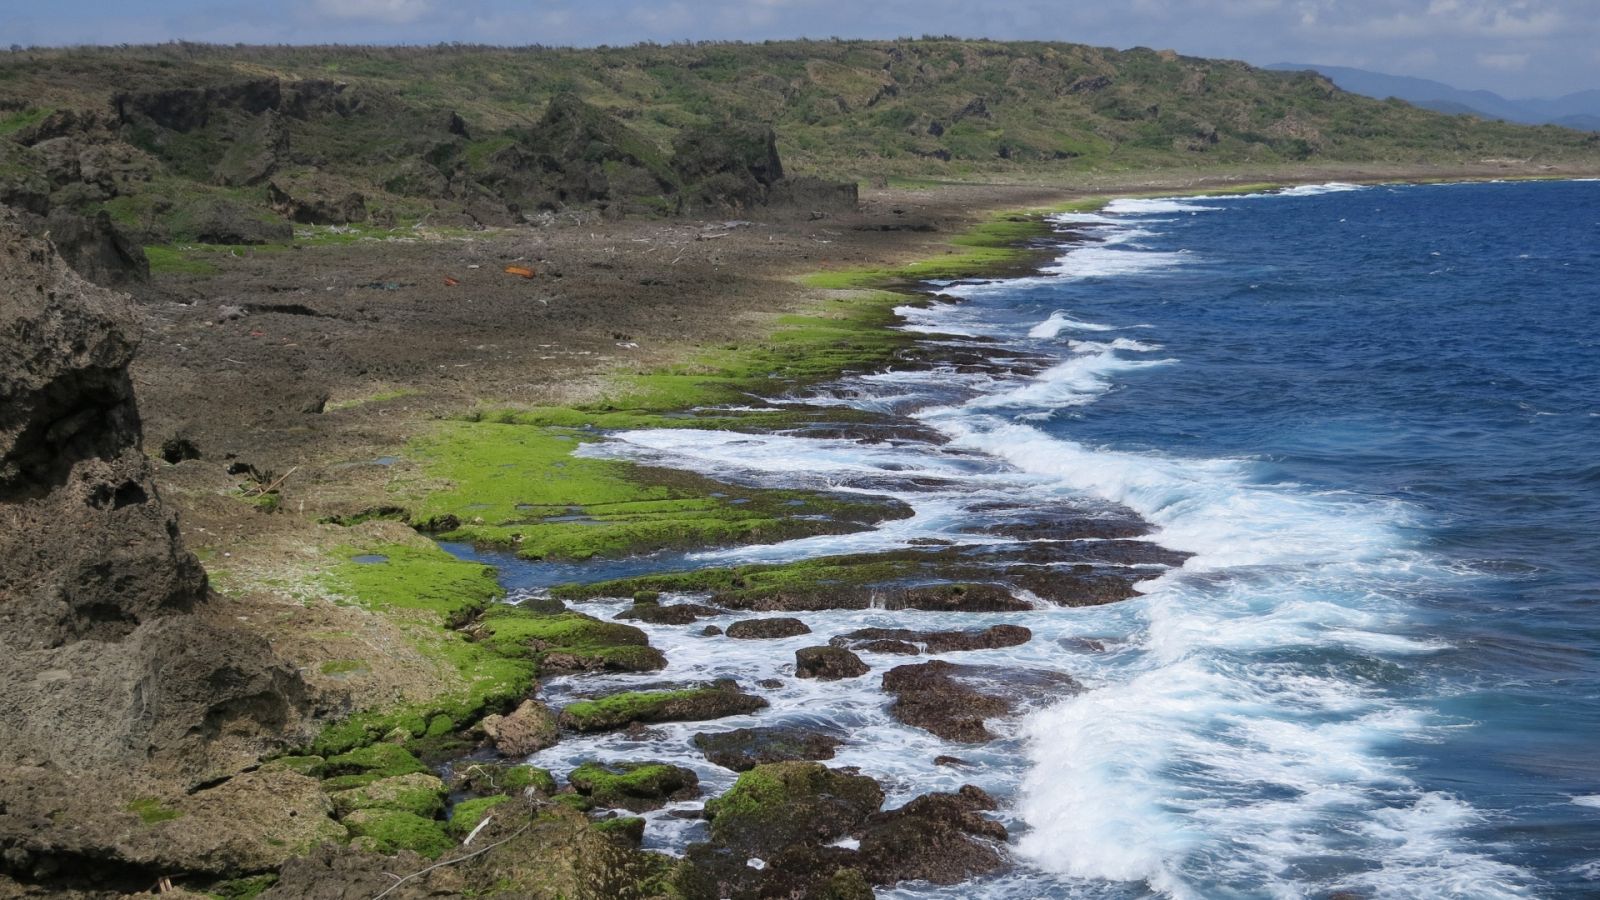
97 249
893 640
316 201
780 804
524 731
655 613
636 787
828 663
928 696
767 629
936 837
745 748
110 657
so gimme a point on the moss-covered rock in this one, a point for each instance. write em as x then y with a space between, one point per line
566 641
466 815
688 705
779 804
636 787
627 829
486 778
381 760
389 831
418 793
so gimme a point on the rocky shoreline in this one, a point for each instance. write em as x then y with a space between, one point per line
344 703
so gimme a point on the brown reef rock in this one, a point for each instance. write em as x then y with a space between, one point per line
111 660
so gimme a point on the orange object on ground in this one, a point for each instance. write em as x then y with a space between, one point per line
523 271
450 282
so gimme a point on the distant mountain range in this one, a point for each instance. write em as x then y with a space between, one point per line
1580 110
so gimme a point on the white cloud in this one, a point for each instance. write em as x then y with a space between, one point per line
392 12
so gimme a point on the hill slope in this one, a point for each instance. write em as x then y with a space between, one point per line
192 142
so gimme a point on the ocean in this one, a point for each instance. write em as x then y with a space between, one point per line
1372 414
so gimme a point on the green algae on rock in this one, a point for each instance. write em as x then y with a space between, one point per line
389 831
636 787
418 793
687 705
783 803
521 487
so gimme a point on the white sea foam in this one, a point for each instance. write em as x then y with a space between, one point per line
1221 744
1313 190
1060 321
1161 206
1591 800
1072 382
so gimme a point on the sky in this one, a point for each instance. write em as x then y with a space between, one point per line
1518 48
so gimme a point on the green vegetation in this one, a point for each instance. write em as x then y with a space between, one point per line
656 127
636 786
418 793
150 810
688 705
566 640
520 486
389 831
466 815
839 107
11 123
432 592
743 586
383 760
989 248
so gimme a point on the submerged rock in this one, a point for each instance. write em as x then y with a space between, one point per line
745 748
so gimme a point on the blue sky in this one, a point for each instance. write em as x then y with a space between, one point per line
1516 47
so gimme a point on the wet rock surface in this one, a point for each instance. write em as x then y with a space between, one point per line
636 787
895 639
745 748
928 696
940 838
716 701
828 663
669 614
767 629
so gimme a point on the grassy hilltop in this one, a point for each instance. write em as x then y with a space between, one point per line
193 135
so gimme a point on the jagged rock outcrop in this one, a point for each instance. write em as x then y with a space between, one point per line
97 249
110 658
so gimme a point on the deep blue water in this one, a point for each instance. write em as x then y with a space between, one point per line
1434 345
